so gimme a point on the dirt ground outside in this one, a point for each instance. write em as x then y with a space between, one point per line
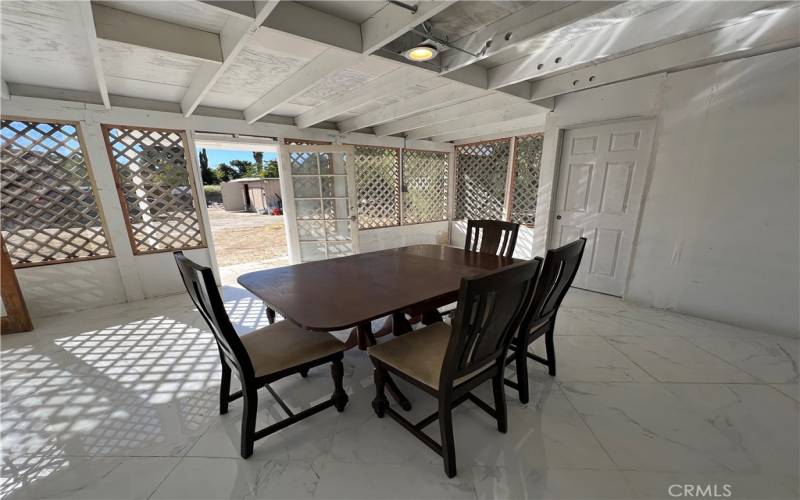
247 241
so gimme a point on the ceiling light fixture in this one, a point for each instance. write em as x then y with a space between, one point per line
423 52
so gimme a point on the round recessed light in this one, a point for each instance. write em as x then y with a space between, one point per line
421 53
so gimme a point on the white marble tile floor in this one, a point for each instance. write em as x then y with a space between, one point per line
121 402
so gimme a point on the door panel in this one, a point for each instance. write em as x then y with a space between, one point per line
579 178
600 186
320 201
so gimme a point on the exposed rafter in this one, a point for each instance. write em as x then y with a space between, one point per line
476 120
304 22
133 29
384 85
439 97
485 130
393 21
87 17
298 20
744 39
446 114
518 29
644 31
234 37
319 67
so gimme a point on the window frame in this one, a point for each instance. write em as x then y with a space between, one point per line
95 193
511 143
398 185
402 184
513 176
190 168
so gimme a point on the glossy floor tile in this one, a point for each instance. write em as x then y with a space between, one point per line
121 402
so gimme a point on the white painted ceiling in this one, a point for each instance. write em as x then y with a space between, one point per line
45 44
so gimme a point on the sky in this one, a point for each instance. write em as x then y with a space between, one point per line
217 156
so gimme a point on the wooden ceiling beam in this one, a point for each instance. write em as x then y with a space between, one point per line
87 18
318 68
132 29
533 123
234 37
659 26
771 31
439 97
387 84
518 29
393 21
474 120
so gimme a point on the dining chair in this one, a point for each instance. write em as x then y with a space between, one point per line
448 363
494 237
491 236
559 270
262 356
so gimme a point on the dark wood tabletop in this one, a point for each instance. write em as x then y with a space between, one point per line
344 292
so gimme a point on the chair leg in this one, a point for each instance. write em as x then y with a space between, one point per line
500 402
224 389
248 420
448 443
380 403
521 362
270 315
339 395
551 351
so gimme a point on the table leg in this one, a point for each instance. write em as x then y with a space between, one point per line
270 315
365 333
400 324
397 324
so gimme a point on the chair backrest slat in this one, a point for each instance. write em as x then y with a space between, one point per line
491 236
202 289
490 310
559 270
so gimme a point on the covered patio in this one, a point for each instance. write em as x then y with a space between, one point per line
659 136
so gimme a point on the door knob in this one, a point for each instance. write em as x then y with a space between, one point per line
558 217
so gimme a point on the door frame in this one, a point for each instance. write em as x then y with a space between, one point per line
287 188
552 148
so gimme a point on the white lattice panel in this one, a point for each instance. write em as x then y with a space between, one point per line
378 186
527 162
156 188
424 186
481 170
49 211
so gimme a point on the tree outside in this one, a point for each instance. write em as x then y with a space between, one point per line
236 168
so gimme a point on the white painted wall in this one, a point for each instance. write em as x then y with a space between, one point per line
71 286
719 228
719 232
370 240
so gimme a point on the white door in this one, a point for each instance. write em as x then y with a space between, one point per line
318 185
600 186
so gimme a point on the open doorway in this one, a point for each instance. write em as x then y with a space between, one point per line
245 204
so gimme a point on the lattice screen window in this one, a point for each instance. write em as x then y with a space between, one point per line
156 188
481 170
377 186
424 186
49 210
527 162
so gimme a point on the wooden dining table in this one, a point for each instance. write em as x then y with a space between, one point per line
352 291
